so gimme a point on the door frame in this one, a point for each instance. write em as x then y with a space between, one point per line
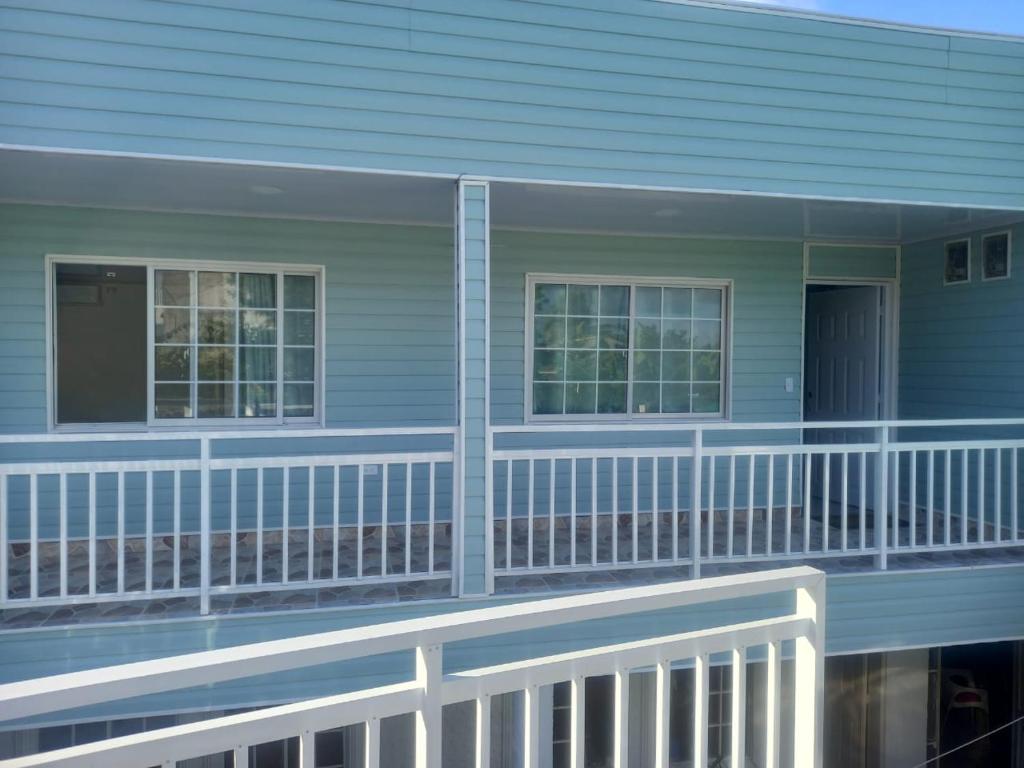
889 354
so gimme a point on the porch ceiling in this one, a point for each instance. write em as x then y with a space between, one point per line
310 193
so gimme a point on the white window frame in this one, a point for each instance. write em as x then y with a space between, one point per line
211 265
1009 255
945 255
725 393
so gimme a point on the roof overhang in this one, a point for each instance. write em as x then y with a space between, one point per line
302 192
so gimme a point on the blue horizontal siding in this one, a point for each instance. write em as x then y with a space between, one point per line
624 91
767 302
961 353
864 613
390 317
851 261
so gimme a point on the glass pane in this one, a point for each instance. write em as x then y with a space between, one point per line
173 401
100 337
707 334
298 400
172 326
548 365
611 366
172 364
216 326
707 302
299 292
257 363
581 366
217 289
648 302
257 400
676 334
258 328
675 398
258 291
216 364
648 334
615 300
299 364
646 398
647 366
582 300
173 288
582 333
611 398
707 366
580 398
678 301
216 401
675 366
547 398
614 334
549 332
706 398
300 328
549 299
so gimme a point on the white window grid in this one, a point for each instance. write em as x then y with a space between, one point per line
632 283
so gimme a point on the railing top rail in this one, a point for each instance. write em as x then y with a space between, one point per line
59 692
725 426
177 435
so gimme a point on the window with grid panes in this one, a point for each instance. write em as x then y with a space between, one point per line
628 348
233 345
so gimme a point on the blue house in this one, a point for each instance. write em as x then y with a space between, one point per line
640 378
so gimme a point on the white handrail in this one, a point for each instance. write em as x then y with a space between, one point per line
728 426
193 435
431 689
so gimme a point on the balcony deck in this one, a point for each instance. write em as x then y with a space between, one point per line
128 555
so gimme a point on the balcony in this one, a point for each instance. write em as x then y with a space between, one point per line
120 526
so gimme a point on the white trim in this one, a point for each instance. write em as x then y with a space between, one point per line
945 255
483 178
726 285
151 264
1009 255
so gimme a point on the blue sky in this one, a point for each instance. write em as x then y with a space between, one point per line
1002 16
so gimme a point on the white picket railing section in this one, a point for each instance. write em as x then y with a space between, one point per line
762 492
80 530
431 688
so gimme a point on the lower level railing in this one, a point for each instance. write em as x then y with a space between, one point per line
672 495
433 686
222 514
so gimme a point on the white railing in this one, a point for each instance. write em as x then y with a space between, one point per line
431 688
189 522
764 492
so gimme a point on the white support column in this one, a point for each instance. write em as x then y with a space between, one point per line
773 705
620 736
205 553
307 749
696 471
662 713
701 691
472 526
881 516
428 717
482 746
809 679
577 726
738 731
531 727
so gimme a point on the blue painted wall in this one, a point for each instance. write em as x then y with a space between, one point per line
960 345
390 330
615 91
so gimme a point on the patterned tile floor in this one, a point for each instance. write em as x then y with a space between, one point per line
518 581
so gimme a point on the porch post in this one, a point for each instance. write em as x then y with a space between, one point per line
809 678
472 531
